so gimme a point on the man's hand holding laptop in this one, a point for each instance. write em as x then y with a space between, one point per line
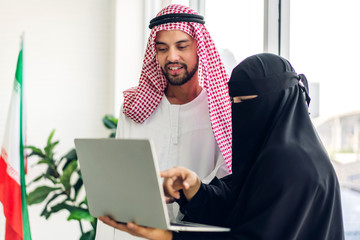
175 179
139 231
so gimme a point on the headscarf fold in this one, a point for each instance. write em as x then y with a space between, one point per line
141 101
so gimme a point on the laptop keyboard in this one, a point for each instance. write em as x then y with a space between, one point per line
190 224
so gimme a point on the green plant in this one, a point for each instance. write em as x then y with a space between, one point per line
61 189
110 122
62 186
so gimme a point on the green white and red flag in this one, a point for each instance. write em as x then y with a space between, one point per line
12 163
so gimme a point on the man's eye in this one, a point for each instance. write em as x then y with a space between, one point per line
182 47
161 49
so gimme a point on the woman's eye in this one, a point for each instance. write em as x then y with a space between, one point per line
240 99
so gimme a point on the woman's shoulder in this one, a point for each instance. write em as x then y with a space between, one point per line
294 162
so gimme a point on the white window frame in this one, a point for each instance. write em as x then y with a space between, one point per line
277 27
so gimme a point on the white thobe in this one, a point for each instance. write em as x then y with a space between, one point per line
183 136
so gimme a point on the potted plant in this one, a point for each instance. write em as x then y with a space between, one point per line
61 188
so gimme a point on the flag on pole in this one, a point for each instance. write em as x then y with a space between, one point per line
12 163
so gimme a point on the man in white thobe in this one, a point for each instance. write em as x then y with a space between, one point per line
181 102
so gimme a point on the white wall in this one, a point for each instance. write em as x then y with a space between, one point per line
131 36
70 80
129 47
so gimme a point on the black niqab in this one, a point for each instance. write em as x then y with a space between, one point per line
276 85
283 184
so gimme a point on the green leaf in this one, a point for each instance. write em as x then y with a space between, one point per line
50 137
33 148
47 213
36 154
35 151
90 235
66 176
49 149
40 194
46 176
51 178
67 163
77 187
76 213
62 206
71 155
54 197
51 171
80 214
84 202
46 161
110 121
94 224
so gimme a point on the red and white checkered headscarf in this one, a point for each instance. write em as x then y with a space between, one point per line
141 101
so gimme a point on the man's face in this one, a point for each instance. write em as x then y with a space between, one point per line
176 52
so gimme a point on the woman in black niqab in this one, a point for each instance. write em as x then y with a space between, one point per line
283 185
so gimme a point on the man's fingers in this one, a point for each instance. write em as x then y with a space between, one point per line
113 223
105 219
148 232
129 227
136 228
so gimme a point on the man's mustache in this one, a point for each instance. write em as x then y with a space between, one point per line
177 63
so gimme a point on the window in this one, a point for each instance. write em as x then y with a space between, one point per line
236 28
324 44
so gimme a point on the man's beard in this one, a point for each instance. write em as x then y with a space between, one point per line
180 79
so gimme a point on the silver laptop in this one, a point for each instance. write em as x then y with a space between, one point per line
122 180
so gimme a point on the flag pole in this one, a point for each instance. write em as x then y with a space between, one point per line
20 76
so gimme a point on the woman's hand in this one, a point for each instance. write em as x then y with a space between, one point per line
178 178
138 231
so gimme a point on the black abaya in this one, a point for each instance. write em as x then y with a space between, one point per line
283 185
